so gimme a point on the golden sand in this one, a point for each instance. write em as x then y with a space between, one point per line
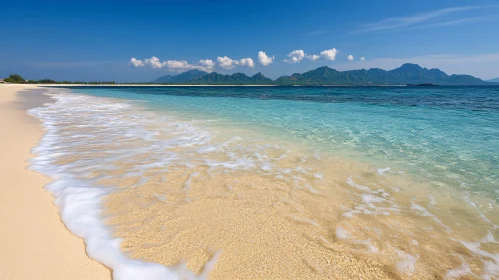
259 227
306 217
34 242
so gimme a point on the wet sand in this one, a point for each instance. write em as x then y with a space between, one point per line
34 242
251 207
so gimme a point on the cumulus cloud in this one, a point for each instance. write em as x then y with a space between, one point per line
247 62
350 57
228 63
264 59
314 57
298 55
295 56
135 62
329 54
207 63
154 62
362 58
173 65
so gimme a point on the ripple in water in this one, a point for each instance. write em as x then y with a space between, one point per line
205 198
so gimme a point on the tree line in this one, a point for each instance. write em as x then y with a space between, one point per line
18 79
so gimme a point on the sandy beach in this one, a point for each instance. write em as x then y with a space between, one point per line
160 190
34 242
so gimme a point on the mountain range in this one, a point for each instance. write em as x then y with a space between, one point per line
406 74
496 80
181 78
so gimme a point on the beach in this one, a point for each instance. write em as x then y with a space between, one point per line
35 243
249 183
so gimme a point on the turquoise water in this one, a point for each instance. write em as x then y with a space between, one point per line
403 176
448 136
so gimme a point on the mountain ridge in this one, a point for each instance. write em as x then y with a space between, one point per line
182 77
236 78
406 74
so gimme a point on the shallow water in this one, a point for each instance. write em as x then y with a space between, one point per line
265 182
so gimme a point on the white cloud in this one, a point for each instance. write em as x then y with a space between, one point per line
264 59
247 62
329 54
314 57
182 65
154 62
207 64
295 56
173 65
298 55
362 58
350 57
226 62
135 62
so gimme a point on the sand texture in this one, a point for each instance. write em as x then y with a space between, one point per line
34 242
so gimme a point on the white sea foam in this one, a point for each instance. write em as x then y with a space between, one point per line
119 125
93 136
371 203
458 273
490 260
407 263
382 171
187 183
468 200
357 186
79 203
342 233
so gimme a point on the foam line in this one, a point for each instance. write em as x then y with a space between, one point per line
81 211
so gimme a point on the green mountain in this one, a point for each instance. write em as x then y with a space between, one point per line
234 79
181 78
406 74
496 80
163 79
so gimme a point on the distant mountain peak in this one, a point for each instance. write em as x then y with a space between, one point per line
408 73
182 77
194 71
411 67
236 79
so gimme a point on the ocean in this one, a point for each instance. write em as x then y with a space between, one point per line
278 182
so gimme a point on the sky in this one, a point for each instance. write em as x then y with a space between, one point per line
137 41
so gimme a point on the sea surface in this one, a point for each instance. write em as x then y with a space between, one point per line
278 182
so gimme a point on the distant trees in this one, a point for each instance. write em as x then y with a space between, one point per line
42 81
18 79
50 81
15 78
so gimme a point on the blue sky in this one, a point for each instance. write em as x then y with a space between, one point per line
96 40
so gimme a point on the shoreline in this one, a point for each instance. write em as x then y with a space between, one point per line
349 195
195 85
35 242
351 201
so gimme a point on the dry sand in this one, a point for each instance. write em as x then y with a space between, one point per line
34 244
